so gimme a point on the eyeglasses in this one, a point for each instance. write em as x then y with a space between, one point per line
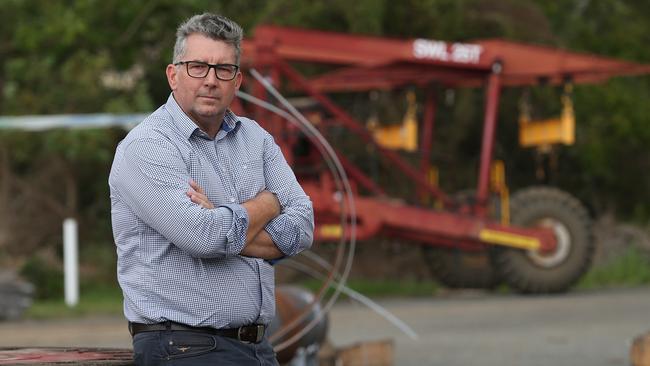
199 69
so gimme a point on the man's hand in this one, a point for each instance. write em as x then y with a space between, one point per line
261 209
262 246
197 195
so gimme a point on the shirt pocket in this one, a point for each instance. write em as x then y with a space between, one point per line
249 178
197 171
207 179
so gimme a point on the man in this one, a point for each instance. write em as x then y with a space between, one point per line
202 202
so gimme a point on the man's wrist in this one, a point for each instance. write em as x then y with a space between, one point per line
272 202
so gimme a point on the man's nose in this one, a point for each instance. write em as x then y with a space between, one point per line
211 77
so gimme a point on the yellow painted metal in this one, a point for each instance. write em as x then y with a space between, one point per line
331 231
509 239
433 177
499 186
498 175
400 136
547 132
505 206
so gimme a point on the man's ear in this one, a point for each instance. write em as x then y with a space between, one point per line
172 74
238 80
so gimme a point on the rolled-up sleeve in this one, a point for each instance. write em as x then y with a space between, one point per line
293 230
152 179
235 228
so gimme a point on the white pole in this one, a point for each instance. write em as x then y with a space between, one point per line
70 262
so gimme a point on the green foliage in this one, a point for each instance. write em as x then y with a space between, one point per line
97 273
319 14
55 57
97 261
615 129
46 277
617 28
632 268
98 300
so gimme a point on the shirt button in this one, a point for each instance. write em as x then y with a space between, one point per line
232 199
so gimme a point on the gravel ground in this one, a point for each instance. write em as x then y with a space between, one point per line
460 328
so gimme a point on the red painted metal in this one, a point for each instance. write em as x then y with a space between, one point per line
489 130
340 48
391 59
358 176
427 133
394 76
357 127
361 63
427 226
67 356
526 64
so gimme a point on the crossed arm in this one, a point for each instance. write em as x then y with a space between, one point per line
261 209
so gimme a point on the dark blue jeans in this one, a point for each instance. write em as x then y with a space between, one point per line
168 347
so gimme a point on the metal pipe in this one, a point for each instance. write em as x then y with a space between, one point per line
360 297
427 133
489 128
348 212
70 262
361 131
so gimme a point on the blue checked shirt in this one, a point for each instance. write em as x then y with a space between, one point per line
178 261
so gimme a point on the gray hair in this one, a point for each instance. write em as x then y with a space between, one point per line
213 26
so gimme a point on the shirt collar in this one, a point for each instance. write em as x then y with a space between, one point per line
188 127
229 121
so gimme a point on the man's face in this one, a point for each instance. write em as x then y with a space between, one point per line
206 99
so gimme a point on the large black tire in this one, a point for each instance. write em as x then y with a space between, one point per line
455 268
536 273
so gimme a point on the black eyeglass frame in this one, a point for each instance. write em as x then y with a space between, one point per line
210 67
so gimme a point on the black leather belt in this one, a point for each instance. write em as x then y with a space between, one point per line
248 333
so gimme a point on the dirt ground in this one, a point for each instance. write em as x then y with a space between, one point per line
592 328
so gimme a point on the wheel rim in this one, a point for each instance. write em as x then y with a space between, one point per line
561 252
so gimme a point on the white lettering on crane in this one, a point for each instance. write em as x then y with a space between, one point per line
466 53
435 50
438 50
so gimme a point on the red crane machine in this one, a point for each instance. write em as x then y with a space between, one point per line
537 240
